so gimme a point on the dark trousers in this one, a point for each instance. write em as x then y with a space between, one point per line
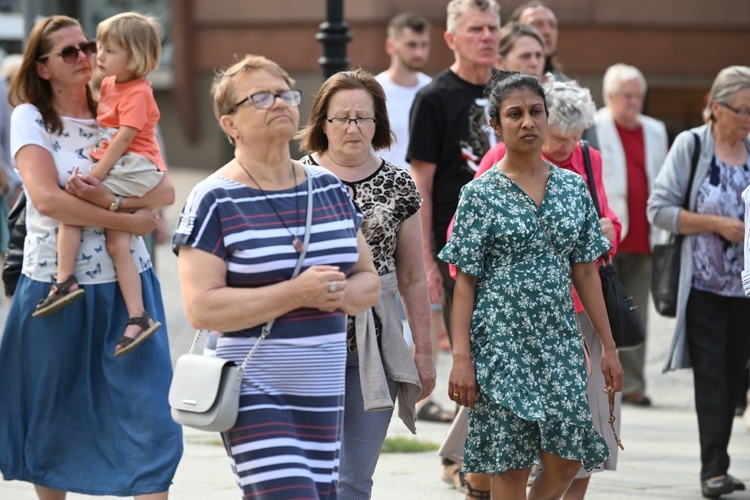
634 271
718 334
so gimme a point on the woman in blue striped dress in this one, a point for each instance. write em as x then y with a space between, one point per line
238 241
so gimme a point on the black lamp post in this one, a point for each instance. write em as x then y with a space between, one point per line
334 34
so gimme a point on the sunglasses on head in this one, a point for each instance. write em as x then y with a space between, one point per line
69 54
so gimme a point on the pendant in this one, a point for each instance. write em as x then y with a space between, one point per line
297 244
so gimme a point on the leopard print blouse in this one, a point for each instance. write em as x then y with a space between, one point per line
386 198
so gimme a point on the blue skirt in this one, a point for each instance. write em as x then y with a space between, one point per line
74 418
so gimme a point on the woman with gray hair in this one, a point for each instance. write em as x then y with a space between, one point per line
712 309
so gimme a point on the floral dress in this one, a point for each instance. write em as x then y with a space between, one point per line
525 343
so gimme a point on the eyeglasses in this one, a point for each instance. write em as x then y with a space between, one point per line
743 112
265 100
69 54
344 122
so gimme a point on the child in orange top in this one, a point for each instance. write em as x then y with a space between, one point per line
129 162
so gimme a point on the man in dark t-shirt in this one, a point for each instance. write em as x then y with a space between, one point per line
449 133
449 130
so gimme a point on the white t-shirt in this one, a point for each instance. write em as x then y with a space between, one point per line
68 150
399 100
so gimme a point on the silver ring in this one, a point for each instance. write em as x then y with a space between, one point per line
333 286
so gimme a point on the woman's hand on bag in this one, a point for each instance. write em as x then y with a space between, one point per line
612 371
462 384
321 287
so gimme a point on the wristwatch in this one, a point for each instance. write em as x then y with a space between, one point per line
116 204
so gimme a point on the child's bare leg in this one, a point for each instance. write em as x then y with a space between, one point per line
68 242
128 277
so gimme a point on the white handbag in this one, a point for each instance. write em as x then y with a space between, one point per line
205 390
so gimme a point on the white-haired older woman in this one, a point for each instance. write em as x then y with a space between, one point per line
571 111
633 147
712 310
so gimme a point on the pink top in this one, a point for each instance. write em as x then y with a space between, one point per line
574 164
130 104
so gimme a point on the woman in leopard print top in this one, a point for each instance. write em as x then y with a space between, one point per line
348 121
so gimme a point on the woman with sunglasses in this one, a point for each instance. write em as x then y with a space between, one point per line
349 120
240 235
71 418
128 161
713 312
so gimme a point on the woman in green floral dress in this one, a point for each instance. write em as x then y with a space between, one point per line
524 233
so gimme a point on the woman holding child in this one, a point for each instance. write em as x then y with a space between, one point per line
72 418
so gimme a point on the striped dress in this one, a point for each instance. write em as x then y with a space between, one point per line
287 438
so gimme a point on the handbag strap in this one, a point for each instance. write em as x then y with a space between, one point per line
590 176
693 168
305 241
592 186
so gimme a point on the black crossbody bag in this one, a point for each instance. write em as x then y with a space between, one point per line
624 320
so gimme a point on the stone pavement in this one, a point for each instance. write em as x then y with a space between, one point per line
660 460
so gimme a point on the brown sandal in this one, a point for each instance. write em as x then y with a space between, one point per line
147 326
60 296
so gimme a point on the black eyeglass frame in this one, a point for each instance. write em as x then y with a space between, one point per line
280 95
69 54
340 120
743 113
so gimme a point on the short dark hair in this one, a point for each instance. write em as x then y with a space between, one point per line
414 22
312 137
516 16
505 82
512 32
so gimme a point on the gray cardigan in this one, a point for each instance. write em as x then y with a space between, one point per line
664 206
392 361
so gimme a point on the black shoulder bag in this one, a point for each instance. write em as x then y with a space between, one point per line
14 253
665 276
624 320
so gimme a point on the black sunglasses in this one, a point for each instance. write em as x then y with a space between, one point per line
69 54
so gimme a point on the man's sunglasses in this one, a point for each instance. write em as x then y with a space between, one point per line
69 54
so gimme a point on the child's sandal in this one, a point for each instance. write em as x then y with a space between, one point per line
147 326
59 297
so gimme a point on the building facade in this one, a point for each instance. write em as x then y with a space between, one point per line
679 45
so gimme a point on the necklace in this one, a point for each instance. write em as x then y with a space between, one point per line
296 242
